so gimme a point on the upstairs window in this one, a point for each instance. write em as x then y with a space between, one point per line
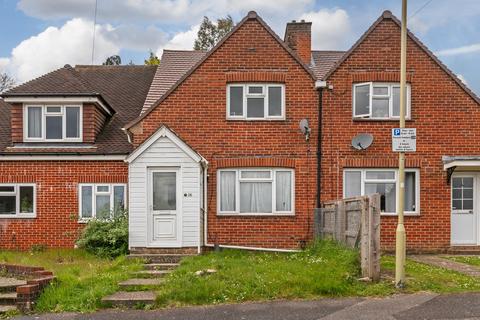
52 123
256 101
372 100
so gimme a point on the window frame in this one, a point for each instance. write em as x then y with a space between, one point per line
44 115
272 179
111 193
391 86
264 95
363 180
16 193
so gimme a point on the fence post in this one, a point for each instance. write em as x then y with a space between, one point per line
364 243
374 213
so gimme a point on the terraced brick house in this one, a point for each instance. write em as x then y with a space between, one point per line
207 148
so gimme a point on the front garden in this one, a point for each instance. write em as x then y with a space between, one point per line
323 270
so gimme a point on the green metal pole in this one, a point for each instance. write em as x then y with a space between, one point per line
400 244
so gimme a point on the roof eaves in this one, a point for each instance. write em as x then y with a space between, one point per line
251 16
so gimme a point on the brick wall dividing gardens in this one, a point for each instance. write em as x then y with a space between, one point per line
56 223
447 121
196 111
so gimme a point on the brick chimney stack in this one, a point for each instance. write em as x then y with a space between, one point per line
298 36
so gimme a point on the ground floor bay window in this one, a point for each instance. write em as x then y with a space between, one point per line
358 182
255 191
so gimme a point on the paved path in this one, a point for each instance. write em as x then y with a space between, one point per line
400 307
439 261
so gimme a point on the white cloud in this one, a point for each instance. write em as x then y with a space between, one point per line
330 28
181 41
3 64
473 48
462 78
55 47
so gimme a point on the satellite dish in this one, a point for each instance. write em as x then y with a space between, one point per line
362 141
304 127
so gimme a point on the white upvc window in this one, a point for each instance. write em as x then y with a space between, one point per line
256 191
256 101
17 200
52 123
101 201
359 182
375 100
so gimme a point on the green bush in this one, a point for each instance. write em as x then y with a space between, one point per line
106 238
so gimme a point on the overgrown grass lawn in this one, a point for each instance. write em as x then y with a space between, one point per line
82 279
323 270
471 260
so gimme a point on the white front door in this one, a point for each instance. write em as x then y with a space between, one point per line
165 214
464 221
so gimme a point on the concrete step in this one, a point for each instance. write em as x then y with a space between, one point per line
160 258
141 282
10 284
152 273
9 298
161 266
130 299
5 309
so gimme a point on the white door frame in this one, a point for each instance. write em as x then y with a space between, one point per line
151 215
476 209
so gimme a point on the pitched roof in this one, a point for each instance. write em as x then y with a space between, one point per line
388 15
174 64
252 15
323 61
124 88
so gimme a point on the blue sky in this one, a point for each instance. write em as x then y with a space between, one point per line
41 35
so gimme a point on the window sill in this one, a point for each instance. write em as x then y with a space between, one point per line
255 214
380 120
406 214
257 120
18 216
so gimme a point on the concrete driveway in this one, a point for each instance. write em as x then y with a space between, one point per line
408 307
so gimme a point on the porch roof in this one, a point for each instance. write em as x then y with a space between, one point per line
452 162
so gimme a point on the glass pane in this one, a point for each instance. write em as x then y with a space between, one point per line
467 182
8 205
54 127
456 193
103 188
26 199
256 197
255 89
380 108
362 100
467 204
284 191
164 191
380 91
54 109
410 191
7 189
102 206
467 193
255 174
227 191
35 122
274 101
73 122
86 202
255 108
457 205
456 182
353 187
387 195
118 200
236 101
376 175
396 102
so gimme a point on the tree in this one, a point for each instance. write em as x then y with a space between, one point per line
114 60
6 82
153 60
210 33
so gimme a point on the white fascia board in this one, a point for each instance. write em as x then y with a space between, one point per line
42 99
165 132
462 163
62 157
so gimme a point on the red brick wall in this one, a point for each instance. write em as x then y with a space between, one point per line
446 118
16 121
57 199
93 121
196 111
